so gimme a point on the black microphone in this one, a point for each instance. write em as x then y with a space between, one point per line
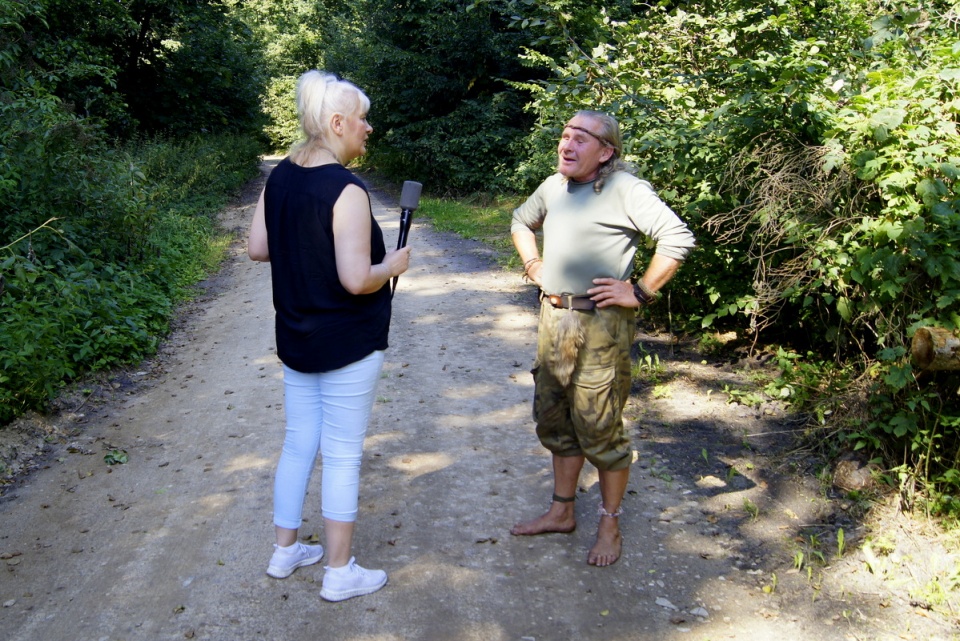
409 201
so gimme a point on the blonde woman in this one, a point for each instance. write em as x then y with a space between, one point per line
330 274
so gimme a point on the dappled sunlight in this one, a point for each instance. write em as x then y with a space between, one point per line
383 438
500 323
589 477
493 318
215 504
460 630
716 628
247 462
664 440
426 573
382 636
416 465
267 359
415 287
462 392
463 418
429 319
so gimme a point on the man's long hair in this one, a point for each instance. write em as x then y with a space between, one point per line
609 135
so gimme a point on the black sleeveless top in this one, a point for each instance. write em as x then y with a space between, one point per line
320 325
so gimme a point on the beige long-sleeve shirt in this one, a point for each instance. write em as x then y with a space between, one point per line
589 235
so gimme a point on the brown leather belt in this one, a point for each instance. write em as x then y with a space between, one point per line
569 301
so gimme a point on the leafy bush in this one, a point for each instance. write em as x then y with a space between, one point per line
205 76
290 34
98 241
71 307
194 175
443 152
61 320
181 67
814 149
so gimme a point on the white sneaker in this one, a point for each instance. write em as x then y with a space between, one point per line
351 580
285 560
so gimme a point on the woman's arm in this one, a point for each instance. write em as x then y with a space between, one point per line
257 242
351 239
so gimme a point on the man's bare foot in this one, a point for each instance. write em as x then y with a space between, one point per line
606 550
561 521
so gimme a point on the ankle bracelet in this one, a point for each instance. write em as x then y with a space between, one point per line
613 515
564 499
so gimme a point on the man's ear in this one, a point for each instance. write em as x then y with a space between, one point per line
607 154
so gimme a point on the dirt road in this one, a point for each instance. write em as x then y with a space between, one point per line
174 543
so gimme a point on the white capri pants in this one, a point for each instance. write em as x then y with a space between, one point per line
326 412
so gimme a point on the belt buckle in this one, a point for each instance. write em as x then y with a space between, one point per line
561 301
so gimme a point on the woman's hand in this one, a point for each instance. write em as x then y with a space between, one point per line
397 261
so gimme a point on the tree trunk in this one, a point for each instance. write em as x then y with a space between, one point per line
936 348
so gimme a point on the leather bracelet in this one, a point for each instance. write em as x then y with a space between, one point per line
643 294
530 263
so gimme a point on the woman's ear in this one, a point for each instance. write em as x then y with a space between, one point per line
336 124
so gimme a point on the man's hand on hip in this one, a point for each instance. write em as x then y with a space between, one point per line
610 291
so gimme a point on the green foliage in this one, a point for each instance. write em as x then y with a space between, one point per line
75 302
289 34
116 457
55 165
211 79
192 176
692 87
814 149
444 151
476 219
98 241
62 319
747 398
899 268
279 105
74 52
648 368
184 66
437 74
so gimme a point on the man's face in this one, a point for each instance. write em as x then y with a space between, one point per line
581 151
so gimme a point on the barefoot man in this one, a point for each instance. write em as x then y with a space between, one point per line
593 213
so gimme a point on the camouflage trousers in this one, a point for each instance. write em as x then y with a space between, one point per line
585 418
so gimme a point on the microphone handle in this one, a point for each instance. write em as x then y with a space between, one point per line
406 217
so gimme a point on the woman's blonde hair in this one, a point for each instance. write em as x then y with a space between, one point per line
320 95
610 136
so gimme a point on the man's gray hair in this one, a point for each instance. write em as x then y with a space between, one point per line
609 135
